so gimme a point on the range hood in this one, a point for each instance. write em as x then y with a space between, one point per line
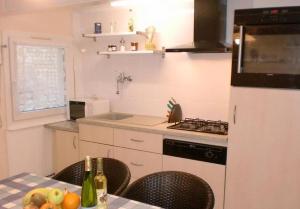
209 28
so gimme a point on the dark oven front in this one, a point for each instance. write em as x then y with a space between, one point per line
266 48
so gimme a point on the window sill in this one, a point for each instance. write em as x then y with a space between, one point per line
17 125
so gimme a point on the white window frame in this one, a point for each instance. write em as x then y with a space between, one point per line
15 118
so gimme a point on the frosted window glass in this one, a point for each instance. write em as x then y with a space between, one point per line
40 78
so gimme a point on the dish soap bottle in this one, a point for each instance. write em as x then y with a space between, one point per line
101 185
130 22
88 192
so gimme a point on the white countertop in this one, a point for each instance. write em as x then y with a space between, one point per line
152 125
160 127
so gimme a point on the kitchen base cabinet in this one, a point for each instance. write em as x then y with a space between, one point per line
95 150
140 163
66 151
213 174
263 160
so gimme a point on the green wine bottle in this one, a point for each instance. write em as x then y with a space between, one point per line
88 192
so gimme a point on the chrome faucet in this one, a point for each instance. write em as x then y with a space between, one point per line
122 78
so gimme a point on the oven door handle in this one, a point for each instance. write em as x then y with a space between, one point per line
239 70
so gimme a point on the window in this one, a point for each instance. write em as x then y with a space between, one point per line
38 78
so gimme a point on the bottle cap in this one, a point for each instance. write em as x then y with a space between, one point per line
88 163
100 164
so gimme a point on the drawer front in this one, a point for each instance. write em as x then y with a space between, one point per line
98 134
140 163
95 150
139 140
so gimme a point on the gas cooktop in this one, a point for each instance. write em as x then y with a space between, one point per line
199 125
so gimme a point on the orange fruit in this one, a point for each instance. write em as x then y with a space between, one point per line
71 201
48 205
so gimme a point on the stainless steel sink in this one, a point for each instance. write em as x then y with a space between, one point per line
113 116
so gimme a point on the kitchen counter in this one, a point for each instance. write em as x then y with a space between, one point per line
70 126
160 128
151 127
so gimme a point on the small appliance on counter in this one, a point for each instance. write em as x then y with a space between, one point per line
84 107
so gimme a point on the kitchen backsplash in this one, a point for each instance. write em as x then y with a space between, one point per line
199 82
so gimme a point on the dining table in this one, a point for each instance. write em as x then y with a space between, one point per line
14 188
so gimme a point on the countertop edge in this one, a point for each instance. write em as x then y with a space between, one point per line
70 126
162 129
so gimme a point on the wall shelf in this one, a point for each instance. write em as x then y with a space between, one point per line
108 53
157 52
99 35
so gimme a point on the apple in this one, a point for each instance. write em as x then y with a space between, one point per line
56 196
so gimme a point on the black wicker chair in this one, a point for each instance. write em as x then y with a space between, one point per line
116 172
172 190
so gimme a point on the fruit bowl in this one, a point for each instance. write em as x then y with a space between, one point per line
50 198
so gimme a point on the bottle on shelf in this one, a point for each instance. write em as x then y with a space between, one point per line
88 192
101 186
130 21
122 46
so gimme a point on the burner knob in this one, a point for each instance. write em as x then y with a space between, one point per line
209 154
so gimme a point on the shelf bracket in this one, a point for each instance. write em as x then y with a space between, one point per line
94 38
107 55
163 53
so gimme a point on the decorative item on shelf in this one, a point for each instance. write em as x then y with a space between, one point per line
109 48
134 46
130 22
174 112
114 48
113 25
122 47
149 33
98 28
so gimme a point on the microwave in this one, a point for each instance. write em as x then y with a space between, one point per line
80 108
266 48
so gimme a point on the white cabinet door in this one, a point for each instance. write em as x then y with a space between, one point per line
213 174
140 163
95 150
66 151
263 149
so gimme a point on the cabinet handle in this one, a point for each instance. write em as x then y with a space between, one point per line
234 115
137 140
136 164
74 142
240 50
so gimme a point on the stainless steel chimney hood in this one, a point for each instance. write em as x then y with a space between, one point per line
209 28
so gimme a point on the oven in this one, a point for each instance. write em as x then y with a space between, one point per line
266 48
203 160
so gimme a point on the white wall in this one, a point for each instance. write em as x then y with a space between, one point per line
199 82
31 149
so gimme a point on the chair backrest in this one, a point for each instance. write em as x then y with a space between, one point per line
116 172
172 190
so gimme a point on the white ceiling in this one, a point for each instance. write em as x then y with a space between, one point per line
27 5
